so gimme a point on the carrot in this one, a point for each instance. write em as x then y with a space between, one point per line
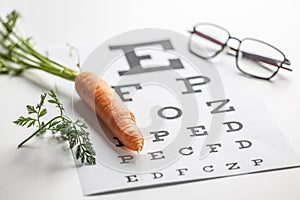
19 55
110 109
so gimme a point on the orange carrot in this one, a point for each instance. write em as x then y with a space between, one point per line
19 55
110 109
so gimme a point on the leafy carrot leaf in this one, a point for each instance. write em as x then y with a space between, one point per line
31 109
73 132
43 112
22 121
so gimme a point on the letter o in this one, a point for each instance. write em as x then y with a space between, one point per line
162 115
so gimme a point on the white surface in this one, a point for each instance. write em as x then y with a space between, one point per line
44 171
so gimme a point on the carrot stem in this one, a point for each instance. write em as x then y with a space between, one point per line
37 131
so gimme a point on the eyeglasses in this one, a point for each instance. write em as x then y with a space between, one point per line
254 58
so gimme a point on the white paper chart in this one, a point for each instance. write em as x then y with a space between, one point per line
197 124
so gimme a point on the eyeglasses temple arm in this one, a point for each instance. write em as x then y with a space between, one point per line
267 60
208 37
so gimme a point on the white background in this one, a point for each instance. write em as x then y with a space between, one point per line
43 171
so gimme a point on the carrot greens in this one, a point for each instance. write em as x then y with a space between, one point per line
75 132
17 55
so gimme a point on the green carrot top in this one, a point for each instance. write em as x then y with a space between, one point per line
17 54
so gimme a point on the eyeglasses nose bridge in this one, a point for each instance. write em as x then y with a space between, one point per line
233 50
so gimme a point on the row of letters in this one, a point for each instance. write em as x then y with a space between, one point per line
229 166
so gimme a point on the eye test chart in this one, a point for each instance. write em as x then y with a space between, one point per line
197 124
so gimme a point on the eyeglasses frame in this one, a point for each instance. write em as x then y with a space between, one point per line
265 59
